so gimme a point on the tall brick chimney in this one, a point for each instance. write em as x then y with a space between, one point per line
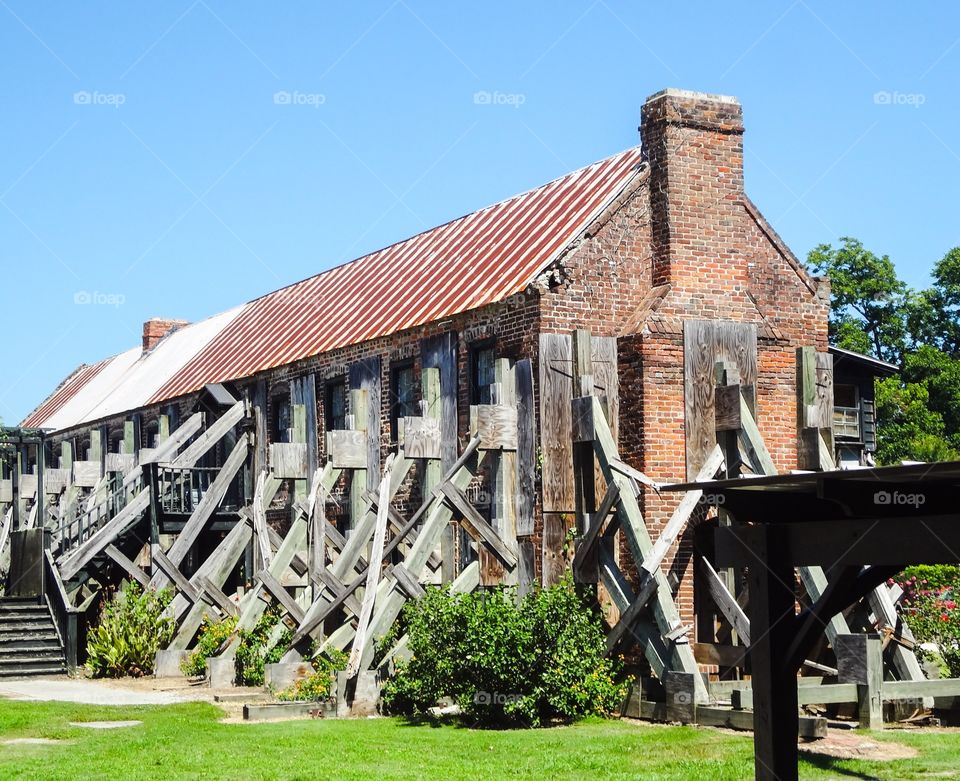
694 144
156 328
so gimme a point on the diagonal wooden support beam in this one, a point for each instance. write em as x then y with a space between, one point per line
477 525
662 606
129 567
216 568
167 448
260 529
71 563
586 543
216 595
373 572
407 582
173 573
271 584
208 504
217 431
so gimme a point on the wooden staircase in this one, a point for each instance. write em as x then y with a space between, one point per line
29 642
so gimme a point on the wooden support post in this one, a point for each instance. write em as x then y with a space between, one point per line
586 571
430 382
860 661
772 624
358 480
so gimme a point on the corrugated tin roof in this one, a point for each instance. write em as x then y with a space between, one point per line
476 260
467 263
127 380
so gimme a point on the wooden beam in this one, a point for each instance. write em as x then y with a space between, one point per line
173 573
211 436
477 525
221 600
586 543
373 573
129 567
210 501
271 584
71 563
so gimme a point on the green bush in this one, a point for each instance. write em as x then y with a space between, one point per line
132 628
318 686
504 660
931 611
213 634
252 651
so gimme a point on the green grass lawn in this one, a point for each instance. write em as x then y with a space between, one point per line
187 741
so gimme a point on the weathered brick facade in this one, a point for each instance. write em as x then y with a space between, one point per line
683 242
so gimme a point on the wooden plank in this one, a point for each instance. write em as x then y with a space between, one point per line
173 573
556 432
407 582
365 376
525 567
606 383
526 448
681 515
373 573
6 491
587 541
271 584
221 600
211 436
54 481
118 462
736 348
699 357
216 568
289 460
210 501
721 655
495 425
421 438
347 449
129 567
552 562
727 407
260 529
70 564
751 442
389 600
167 448
341 593
726 602
638 540
477 525
86 474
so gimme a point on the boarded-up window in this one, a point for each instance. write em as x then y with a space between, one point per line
482 357
403 394
336 404
281 420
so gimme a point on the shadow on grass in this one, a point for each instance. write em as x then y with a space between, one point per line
833 765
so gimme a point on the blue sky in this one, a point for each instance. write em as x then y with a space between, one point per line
149 164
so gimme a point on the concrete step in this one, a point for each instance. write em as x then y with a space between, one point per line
25 670
13 639
30 651
27 625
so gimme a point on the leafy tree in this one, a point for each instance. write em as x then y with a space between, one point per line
874 312
868 300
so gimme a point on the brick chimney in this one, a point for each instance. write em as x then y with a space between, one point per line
694 144
156 328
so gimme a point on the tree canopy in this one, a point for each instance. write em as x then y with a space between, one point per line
874 312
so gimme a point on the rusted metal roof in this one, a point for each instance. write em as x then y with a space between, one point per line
467 263
67 390
476 260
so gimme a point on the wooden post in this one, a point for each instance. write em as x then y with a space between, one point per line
504 473
430 383
772 625
587 569
358 481
860 661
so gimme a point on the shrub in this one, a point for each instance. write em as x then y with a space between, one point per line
132 628
252 651
213 634
932 613
504 660
318 686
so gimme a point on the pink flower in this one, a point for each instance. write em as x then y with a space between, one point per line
944 617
